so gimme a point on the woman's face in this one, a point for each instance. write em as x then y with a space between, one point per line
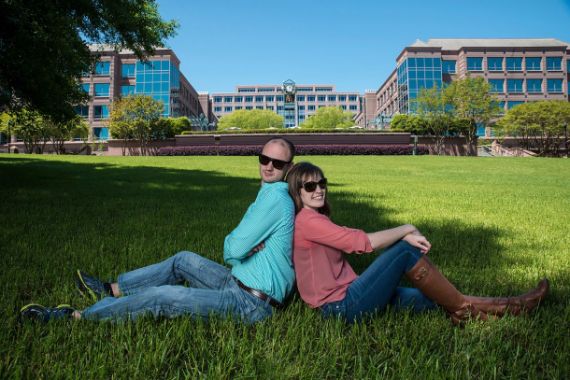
313 192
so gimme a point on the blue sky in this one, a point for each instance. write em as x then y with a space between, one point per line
351 44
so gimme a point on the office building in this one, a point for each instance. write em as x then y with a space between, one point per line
518 70
121 73
308 98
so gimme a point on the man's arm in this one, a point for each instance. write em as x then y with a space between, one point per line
257 224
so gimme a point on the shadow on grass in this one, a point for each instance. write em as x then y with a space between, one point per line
107 218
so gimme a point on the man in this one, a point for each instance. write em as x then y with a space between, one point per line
258 250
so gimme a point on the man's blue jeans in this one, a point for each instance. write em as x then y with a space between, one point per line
156 290
378 287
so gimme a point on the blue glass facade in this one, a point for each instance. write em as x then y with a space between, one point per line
474 64
553 63
101 89
102 68
534 86
495 64
448 66
514 64
157 79
554 85
533 63
497 85
415 74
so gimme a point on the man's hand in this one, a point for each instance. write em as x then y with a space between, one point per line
419 241
256 249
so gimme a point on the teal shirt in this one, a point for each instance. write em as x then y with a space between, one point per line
270 219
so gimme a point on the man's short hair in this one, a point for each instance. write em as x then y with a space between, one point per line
287 142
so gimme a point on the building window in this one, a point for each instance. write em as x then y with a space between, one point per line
352 98
266 89
269 98
270 108
323 89
217 99
553 63
474 63
343 107
217 109
495 64
513 104
85 87
238 99
497 85
300 98
82 111
342 98
248 107
228 99
533 63
514 86
101 133
238 108
249 99
311 108
554 85
101 89
311 98
514 64
534 86
301 108
448 67
127 90
279 98
102 68
128 70
258 107
352 107
321 98
568 66
279 108
246 89
228 109
259 99
332 98
100 112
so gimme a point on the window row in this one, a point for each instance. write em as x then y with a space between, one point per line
533 86
280 98
301 109
514 63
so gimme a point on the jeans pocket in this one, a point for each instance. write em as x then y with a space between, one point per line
333 309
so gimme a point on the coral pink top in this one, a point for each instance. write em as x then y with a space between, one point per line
323 274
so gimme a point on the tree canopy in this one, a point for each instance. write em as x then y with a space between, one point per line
44 47
542 126
251 119
329 118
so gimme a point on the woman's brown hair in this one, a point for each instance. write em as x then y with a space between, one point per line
298 174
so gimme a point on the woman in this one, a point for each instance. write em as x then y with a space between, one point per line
325 279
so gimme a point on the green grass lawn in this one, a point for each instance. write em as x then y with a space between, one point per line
496 225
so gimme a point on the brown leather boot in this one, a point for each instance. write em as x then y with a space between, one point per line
514 305
429 280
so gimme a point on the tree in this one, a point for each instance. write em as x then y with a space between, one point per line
136 117
251 119
408 123
473 103
44 47
180 124
329 118
433 108
539 125
60 132
28 125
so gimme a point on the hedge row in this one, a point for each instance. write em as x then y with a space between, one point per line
252 150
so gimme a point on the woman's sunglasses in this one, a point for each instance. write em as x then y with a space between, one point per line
311 186
277 164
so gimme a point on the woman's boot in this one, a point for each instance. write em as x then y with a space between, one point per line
514 305
428 279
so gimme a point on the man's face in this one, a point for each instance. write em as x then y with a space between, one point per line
276 150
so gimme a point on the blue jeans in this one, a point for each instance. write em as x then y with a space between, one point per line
378 287
156 290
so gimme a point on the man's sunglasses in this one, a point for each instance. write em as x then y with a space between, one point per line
277 164
311 186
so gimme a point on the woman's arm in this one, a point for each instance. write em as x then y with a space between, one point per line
407 232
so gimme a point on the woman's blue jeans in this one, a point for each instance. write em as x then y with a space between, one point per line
156 290
378 287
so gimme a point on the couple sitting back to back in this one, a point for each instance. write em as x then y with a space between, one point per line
261 258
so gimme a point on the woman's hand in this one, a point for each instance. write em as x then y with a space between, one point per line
415 239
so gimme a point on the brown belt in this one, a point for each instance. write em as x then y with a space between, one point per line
262 296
